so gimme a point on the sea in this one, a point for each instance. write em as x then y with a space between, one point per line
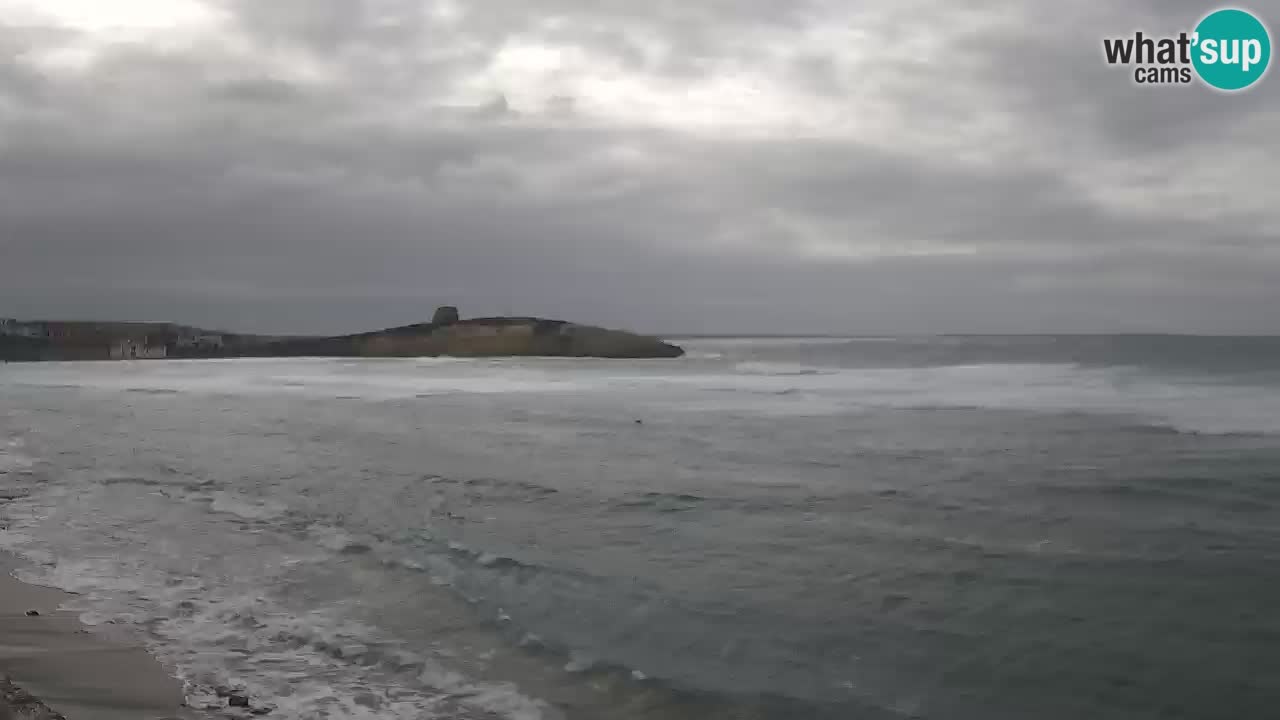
951 527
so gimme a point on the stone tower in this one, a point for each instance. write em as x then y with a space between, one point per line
445 315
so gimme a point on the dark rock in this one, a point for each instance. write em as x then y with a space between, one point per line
238 701
589 341
445 315
478 337
262 710
33 613
18 703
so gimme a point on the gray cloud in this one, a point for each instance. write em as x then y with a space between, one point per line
315 165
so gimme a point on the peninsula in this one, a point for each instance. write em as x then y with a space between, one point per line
446 334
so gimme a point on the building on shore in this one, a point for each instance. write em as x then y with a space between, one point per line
67 331
18 328
75 340
138 349
198 341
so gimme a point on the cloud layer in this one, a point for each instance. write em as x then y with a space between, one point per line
917 166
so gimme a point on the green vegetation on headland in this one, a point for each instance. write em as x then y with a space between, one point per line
446 334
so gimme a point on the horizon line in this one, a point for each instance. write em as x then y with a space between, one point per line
720 335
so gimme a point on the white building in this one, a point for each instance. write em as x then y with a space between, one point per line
200 341
138 349
9 326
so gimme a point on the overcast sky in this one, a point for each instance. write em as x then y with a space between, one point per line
667 165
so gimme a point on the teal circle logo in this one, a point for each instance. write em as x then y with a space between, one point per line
1232 49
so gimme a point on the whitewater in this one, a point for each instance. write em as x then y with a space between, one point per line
958 527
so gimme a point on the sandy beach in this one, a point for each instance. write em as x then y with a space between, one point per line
75 673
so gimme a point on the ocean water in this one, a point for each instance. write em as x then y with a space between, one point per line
975 528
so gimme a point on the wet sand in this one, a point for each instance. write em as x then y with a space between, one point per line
81 674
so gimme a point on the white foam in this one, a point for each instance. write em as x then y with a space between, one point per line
501 698
579 664
784 369
245 508
14 463
314 665
12 458
321 378
335 539
1183 404
765 388
788 388
221 629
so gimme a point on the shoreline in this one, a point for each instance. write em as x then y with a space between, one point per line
18 704
53 667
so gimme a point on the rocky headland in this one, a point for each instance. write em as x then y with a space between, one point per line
446 334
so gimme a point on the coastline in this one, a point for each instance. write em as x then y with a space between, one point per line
446 335
52 667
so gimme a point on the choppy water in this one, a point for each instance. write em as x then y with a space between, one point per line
973 528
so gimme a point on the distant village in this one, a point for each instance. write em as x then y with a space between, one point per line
87 340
